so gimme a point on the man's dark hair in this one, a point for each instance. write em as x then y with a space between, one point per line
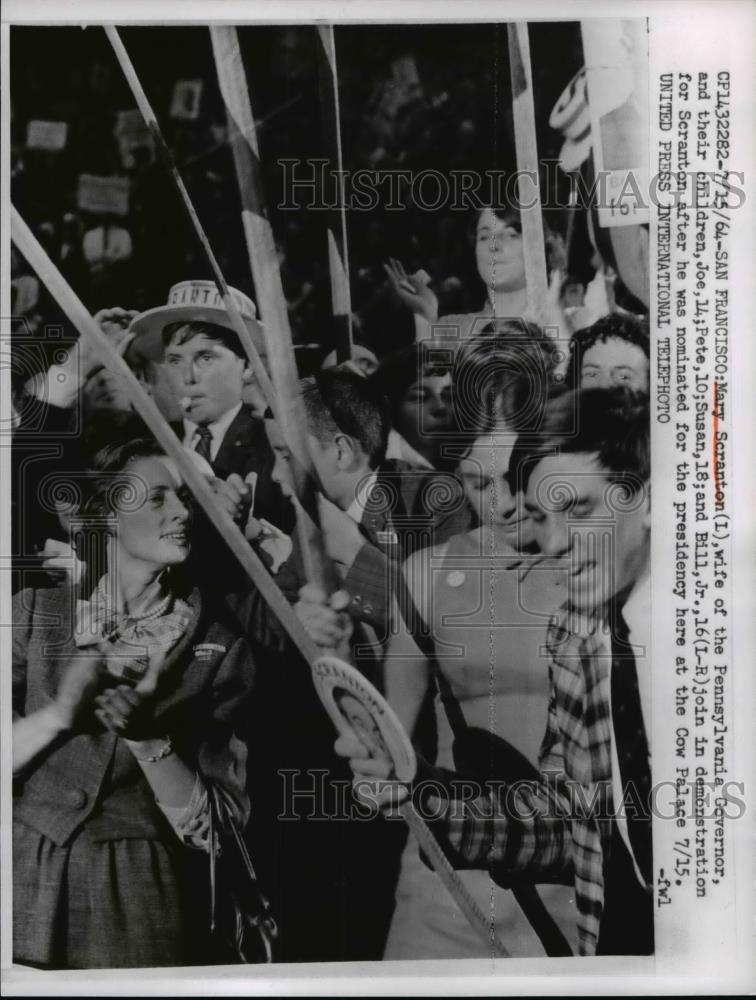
343 402
184 331
615 326
612 424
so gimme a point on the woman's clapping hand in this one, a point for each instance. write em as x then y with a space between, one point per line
78 688
126 712
412 289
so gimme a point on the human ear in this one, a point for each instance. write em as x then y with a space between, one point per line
346 452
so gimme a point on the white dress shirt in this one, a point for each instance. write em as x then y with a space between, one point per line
356 509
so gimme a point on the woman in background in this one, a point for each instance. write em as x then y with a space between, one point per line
500 265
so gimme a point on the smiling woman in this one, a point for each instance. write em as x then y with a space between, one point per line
120 734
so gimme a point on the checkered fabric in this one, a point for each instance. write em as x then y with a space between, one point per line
558 828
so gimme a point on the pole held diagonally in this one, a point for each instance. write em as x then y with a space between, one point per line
151 122
271 302
338 246
145 406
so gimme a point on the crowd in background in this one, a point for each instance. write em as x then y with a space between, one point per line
125 761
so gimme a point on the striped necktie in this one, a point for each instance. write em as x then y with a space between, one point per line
205 439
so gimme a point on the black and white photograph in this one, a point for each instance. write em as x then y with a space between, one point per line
376 551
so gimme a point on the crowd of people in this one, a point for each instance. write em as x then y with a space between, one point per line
442 117
170 676
482 497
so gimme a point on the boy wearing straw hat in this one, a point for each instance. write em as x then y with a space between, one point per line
208 371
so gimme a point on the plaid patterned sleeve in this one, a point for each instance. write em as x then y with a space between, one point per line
519 829
368 583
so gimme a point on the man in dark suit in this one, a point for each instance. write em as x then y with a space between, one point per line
208 372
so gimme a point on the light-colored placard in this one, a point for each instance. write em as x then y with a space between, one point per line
107 195
50 136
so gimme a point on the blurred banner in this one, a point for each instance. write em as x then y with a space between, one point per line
616 62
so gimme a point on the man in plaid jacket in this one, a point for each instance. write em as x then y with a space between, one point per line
586 819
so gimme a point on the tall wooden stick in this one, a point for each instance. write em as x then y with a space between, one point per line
93 336
523 111
338 246
271 302
151 122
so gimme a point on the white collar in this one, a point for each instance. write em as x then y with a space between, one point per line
398 448
217 428
356 508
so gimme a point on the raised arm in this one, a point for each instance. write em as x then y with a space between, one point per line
414 291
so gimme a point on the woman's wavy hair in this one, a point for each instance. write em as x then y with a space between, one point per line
107 487
509 214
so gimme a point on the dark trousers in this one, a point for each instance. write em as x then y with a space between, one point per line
627 920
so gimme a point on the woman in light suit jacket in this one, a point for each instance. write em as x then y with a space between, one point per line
125 708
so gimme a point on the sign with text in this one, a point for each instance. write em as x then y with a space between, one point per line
103 195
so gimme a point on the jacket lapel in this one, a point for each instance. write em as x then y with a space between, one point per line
241 437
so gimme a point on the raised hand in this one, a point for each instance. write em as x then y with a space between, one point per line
124 711
60 560
83 678
371 782
412 289
234 494
325 619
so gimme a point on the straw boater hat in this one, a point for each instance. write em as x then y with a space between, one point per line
193 302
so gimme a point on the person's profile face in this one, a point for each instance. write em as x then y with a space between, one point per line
499 252
596 525
206 377
153 517
331 459
282 473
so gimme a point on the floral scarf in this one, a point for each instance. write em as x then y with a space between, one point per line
130 639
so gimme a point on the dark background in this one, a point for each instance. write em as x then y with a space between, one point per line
460 120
